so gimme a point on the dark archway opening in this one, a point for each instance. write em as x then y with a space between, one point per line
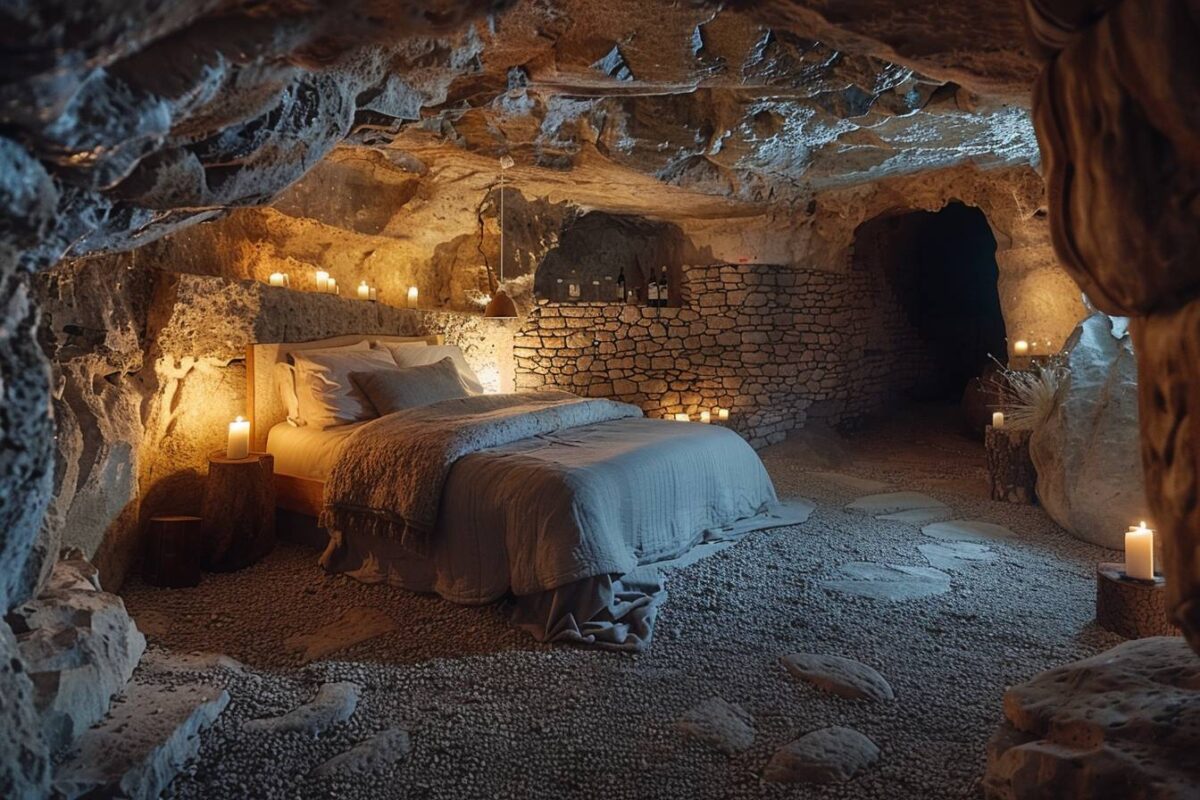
941 268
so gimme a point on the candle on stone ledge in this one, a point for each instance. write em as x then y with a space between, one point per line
412 297
681 417
1021 347
238 445
322 281
723 414
333 287
374 293
997 419
278 279
706 416
1139 552
364 291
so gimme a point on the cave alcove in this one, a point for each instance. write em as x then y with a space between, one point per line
941 268
598 248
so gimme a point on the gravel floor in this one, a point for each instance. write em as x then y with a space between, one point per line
492 714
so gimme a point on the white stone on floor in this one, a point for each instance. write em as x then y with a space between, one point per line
954 556
841 676
354 626
162 661
830 755
851 482
334 703
1121 724
889 581
893 502
917 516
723 726
966 530
138 749
374 755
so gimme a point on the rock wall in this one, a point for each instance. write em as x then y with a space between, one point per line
774 344
150 367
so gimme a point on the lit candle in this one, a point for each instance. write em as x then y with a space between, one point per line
997 419
412 297
682 418
723 414
277 279
364 291
238 445
332 286
374 293
1139 552
1021 347
322 281
706 416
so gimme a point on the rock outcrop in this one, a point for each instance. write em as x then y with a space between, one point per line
1122 724
24 753
1089 474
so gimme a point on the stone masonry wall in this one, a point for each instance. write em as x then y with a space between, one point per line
776 345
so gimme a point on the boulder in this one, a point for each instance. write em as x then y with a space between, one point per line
830 755
377 754
139 749
1122 724
24 755
80 647
1087 452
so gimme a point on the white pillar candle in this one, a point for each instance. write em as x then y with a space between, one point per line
706 416
997 419
1139 552
1021 347
412 297
277 279
322 281
722 413
364 291
682 418
332 286
238 445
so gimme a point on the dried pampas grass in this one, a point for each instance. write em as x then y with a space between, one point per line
1029 395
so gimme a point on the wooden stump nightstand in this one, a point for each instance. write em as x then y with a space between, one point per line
238 510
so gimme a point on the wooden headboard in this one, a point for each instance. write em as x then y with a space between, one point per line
263 406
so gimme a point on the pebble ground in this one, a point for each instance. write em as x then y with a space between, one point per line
493 714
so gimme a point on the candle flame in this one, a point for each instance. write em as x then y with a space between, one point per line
239 419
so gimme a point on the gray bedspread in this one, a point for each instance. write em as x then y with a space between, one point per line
572 524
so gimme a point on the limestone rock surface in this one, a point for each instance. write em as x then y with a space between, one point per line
830 755
1121 724
1087 455
151 732
24 753
889 581
841 676
334 703
724 726
80 647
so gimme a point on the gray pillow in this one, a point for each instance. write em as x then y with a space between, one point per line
397 389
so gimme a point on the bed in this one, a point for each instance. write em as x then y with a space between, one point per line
568 508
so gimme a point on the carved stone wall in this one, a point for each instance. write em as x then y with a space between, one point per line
776 345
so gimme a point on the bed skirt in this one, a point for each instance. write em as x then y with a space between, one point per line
612 612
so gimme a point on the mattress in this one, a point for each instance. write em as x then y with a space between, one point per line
307 452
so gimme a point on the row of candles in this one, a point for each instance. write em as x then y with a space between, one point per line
1139 539
1023 347
705 416
329 285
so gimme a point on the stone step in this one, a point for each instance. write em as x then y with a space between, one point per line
150 732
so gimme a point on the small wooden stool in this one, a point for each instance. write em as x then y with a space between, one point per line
1011 476
1132 608
238 510
173 551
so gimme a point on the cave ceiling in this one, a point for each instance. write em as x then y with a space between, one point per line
128 120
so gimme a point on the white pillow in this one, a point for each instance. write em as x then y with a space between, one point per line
285 383
415 354
326 395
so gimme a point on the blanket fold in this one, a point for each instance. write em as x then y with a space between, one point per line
390 477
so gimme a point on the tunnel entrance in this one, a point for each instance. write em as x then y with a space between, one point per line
941 269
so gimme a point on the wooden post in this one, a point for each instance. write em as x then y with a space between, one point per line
1011 475
1133 608
238 510
173 551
